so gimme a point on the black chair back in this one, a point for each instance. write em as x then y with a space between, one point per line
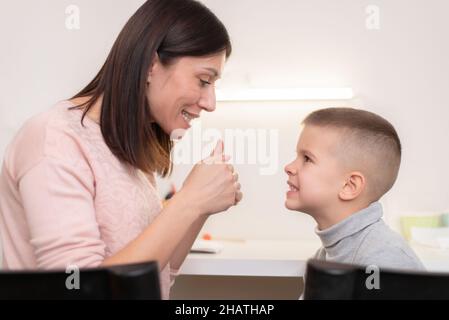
134 281
329 281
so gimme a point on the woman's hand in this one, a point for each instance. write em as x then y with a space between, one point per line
212 186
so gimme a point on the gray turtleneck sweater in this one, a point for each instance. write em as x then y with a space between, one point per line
364 239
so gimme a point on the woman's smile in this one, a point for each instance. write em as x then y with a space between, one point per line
188 116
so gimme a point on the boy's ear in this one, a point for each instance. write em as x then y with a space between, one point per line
154 64
353 186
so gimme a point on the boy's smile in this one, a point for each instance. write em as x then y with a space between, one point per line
293 190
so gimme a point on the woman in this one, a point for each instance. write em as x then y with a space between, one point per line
77 184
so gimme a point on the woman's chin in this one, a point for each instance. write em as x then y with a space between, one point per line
178 131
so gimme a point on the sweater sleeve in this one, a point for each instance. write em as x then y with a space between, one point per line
57 197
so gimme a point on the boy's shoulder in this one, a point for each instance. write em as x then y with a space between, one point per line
384 247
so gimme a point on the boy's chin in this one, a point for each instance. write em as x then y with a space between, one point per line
293 205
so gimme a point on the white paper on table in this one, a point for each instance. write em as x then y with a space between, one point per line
434 237
206 246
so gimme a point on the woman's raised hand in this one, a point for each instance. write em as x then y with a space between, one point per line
212 186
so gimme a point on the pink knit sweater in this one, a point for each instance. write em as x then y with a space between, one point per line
66 199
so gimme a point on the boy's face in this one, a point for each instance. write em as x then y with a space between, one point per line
315 177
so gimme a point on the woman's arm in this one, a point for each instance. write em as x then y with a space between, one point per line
184 247
160 239
211 187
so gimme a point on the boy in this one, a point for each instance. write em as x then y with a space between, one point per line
347 159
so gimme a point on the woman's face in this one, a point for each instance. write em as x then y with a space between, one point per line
179 92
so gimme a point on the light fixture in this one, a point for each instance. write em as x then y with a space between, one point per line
288 94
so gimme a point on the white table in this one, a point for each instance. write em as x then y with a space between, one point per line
279 259
253 258
434 259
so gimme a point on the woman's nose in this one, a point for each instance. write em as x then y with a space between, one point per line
208 100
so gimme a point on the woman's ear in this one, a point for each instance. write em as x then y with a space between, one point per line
353 186
154 65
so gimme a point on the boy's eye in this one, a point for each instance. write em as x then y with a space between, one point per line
307 159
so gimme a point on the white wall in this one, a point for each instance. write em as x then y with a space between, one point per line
400 71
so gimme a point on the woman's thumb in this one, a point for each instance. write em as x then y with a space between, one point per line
218 151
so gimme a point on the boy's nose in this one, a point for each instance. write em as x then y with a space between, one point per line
290 170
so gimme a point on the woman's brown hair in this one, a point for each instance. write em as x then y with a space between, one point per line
171 29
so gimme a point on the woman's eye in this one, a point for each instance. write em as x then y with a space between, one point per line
204 83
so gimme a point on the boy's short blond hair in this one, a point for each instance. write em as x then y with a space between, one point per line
369 144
